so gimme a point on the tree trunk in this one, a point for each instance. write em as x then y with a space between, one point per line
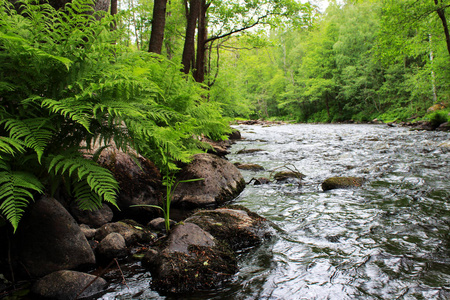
189 42
113 7
441 13
199 74
158 25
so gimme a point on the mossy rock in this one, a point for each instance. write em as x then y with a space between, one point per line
285 175
342 183
249 167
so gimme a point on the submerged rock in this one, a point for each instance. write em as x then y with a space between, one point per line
342 182
221 182
249 167
285 175
50 240
247 151
200 253
68 285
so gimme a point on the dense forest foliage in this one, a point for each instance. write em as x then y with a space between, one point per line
152 77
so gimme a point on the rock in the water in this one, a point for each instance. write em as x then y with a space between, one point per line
342 182
235 226
285 175
248 151
50 240
94 218
221 182
201 252
112 246
159 223
235 135
67 285
132 234
249 167
192 260
139 183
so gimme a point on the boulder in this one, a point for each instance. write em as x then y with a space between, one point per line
444 127
249 167
200 253
235 135
234 225
221 182
112 246
139 181
49 239
342 182
131 233
88 232
191 261
159 224
68 285
95 218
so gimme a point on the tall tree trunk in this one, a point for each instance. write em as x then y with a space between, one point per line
441 13
199 74
158 25
189 41
113 7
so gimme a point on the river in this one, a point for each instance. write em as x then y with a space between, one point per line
387 240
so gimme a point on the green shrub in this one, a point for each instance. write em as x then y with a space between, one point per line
65 82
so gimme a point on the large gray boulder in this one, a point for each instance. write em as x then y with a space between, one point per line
49 239
68 285
139 181
221 182
201 252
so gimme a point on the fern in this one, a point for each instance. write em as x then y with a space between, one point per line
16 190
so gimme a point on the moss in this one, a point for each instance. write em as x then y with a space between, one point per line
342 182
284 175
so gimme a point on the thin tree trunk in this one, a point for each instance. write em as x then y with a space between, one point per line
189 41
158 25
199 74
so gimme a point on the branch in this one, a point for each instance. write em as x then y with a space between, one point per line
258 21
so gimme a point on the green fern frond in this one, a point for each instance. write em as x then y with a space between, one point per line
10 146
16 191
100 180
70 108
85 197
35 133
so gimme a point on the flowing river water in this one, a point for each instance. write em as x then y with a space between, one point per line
389 239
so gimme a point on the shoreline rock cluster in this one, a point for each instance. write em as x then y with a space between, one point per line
57 245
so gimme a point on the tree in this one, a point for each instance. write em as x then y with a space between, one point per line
158 26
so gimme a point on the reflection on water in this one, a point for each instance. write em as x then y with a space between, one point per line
387 240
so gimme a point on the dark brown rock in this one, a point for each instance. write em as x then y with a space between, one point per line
131 233
248 151
67 285
95 218
285 175
112 246
249 167
50 240
221 182
342 182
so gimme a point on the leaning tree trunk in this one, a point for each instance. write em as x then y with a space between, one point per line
189 42
158 25
441 13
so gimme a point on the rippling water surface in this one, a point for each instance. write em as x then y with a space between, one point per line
387 240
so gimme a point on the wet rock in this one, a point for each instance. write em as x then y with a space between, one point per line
159 224
219 148
249 167
112 246
131 233
140 183
444 127
191 261
94 218
50 240
221 182
248 151
88 232
235 135
259 181
342 182
200 252
285 175
235 226
67 285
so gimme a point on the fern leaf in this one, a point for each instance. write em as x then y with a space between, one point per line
70 108
16 191
10 146
35 132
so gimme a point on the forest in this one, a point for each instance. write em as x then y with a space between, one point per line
149 76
